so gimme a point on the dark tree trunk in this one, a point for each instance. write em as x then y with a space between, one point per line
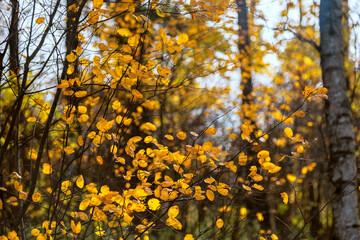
244 49
340 128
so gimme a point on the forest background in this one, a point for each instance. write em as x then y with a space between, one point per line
130 119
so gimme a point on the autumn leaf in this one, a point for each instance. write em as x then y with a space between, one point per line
124 32
210 195
40 20
242 159
183 39
98 3
76 228
36 197
173 211
285 197
71 57
80 181
154 204
93 17
31 119
288 132
47 168
181 135
219 223
210 131
189 237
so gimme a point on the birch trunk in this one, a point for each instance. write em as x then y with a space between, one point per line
340 128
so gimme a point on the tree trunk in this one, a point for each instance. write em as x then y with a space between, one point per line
244 46
339 122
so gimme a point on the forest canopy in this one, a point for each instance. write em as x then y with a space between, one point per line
158 119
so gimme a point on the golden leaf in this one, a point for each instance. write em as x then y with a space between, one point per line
183 39
219 223
40 20
154 204
285 197
80 181
93 17
47 168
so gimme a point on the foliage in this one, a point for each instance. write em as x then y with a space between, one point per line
116 127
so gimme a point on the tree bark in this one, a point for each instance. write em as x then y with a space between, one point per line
244 46
340 127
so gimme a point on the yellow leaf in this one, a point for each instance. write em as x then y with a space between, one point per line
300 114
23 195
70 70
76 228
263 154
173 222
260 217
31 119
124 32
47 168
136 94
159 12
154 204
78 50
219 223
169 137
32 154
285 197
322 90
103 47
99 160
232 136
181 135
36 197
93 17
164 72
242 159
258 187
116 105
1 204
246 187
288 132
71 57
84 204
68 150
210 195
173 211
35 232
183 39
291 177
120 160
257 178
210 131
300 149
80 94
80 181
223 189
63 84
65 187
189 237
17 185
40 20
113 149
83 118
82 109
133 41
98 3
80 140
99 231
274 237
